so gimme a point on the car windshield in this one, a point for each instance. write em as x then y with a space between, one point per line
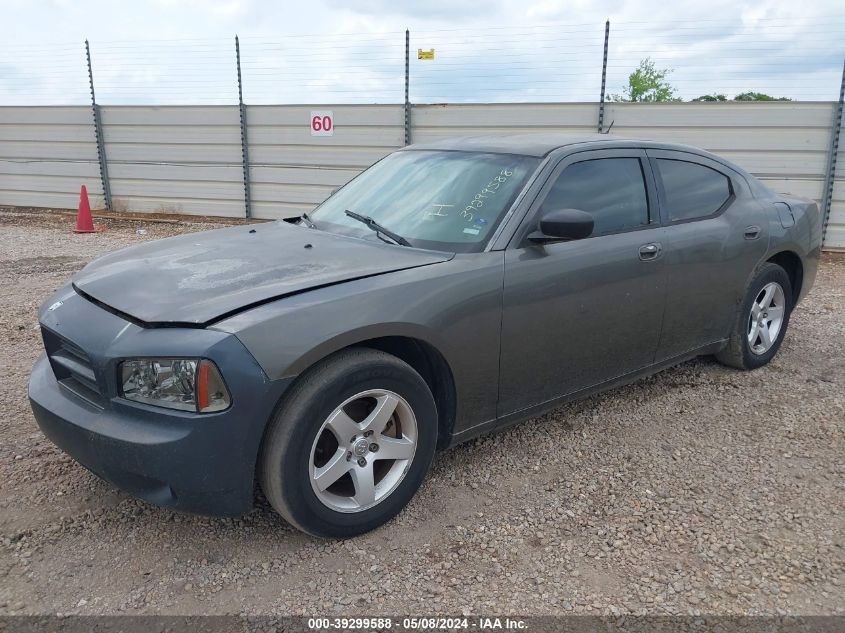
442 200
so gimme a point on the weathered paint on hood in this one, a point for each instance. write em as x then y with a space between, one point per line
200 277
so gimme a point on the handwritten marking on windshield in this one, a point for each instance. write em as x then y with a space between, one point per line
489 189
438 213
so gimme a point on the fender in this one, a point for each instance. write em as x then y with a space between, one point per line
454 306
366 333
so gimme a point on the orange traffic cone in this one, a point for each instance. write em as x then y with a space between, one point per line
84 221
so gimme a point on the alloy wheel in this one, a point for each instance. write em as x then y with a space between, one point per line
766 318
363 451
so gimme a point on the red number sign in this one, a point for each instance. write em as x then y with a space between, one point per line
322 123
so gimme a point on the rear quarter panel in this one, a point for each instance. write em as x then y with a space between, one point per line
804 237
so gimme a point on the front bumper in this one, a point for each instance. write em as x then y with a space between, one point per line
201 463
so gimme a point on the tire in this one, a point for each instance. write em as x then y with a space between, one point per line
743 353
312 473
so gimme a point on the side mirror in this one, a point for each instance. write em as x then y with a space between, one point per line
563 224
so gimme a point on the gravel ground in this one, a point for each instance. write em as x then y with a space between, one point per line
698 490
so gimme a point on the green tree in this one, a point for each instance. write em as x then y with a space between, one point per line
758 96
713 97
647 84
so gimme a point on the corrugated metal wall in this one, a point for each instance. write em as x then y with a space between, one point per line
187 159
292 171
46 153
432 122
177 159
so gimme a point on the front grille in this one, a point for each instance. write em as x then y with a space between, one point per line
72 367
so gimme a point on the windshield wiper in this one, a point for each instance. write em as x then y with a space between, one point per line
378 228
308 221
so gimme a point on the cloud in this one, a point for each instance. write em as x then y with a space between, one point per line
182 51
429 10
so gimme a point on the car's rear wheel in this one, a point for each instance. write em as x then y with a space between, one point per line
350 445
762 320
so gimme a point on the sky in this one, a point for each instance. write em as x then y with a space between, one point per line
335 51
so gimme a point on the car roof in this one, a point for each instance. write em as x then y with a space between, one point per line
540 145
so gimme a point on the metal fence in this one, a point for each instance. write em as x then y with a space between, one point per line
198 126
189 159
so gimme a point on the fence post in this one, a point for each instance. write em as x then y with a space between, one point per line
603 75
98 132
830 176
244 143
407 86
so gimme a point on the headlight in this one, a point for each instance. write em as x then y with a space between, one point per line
176 383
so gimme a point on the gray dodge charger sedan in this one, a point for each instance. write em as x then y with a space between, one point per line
449 290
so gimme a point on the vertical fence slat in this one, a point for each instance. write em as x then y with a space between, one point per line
244 141
98 132
407 87
830 176
603 76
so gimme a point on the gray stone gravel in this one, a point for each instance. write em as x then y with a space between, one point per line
699 490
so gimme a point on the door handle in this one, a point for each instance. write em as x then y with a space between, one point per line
752 232
650 251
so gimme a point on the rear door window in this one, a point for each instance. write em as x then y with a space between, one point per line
692 191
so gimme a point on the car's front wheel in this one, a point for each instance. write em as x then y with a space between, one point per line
350 445
761 321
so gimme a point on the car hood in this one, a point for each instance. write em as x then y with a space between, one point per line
202 277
